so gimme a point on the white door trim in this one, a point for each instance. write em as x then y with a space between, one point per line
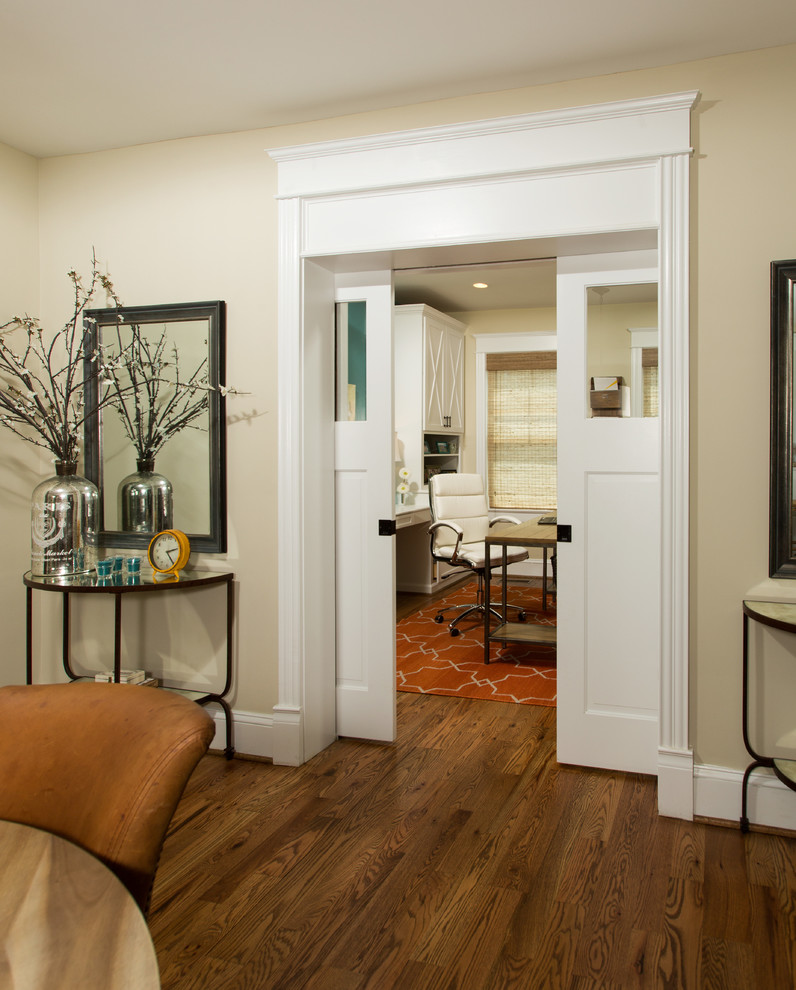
618 168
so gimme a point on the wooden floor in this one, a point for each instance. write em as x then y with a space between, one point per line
463 856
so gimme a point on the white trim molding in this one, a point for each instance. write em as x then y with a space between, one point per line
608 171
717 794
254 733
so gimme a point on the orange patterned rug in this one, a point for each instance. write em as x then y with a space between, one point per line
431 661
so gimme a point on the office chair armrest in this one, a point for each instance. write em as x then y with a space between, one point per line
506 519
456 529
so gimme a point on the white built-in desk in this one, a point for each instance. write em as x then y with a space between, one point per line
415 571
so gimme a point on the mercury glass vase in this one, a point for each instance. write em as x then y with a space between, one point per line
145 500
64 514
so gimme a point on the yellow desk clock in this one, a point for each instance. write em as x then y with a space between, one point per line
169 552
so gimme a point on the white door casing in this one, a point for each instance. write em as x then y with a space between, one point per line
364 494
565 180
609 575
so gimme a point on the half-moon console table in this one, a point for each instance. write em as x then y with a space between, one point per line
777 615
90 584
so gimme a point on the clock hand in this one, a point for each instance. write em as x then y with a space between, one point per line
170 554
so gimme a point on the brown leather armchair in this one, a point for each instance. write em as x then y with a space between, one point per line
103 765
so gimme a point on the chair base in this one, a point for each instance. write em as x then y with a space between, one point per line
479 607
468 610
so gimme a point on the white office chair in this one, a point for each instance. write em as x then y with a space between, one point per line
460 522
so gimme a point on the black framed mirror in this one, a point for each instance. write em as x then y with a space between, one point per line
782 530
170 362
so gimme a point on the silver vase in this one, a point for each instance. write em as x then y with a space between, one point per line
145 500
63 516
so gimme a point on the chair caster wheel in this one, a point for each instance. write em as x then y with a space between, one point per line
456 632
439 618
520 616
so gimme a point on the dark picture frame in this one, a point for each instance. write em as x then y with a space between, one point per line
782 554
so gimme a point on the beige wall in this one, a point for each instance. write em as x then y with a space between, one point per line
21 463
195 219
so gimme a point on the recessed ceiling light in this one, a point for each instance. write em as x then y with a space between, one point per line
480 285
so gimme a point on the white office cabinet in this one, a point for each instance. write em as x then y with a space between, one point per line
429 391
443 371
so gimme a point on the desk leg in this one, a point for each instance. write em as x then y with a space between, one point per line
117 638
759 761
504 578
66 636
487 583
29 637
229 752
544 579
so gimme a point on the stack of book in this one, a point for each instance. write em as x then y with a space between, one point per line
125 676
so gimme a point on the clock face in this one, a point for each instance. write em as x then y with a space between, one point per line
164 552
169 551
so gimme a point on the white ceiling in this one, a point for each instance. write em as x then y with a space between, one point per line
511 285
86 75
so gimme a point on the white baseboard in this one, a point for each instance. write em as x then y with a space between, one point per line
676 783
717 794
253 733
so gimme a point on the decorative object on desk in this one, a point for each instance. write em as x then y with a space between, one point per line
442 447
430 662
169 552
403 485
146 500
63 532
609 396
42 399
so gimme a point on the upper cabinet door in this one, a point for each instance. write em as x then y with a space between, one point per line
443 376
453 349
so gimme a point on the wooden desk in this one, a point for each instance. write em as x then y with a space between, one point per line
66 921
525 534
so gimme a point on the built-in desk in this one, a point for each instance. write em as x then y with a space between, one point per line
415 571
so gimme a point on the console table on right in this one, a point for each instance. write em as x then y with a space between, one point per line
777 615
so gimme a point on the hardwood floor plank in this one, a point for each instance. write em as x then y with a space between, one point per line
680 961
463 856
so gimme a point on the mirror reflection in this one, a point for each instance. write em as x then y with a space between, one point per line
622 350
157 453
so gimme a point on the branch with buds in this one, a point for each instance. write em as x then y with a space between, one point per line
42 381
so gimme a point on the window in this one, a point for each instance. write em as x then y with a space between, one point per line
649 366
521 430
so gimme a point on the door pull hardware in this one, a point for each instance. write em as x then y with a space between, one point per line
563 534
387 527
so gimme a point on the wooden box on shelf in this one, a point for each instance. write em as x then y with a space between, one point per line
608 401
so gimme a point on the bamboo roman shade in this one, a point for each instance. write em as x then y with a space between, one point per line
521 430
649 365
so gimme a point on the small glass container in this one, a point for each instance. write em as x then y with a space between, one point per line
104 567
118 564
133 565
